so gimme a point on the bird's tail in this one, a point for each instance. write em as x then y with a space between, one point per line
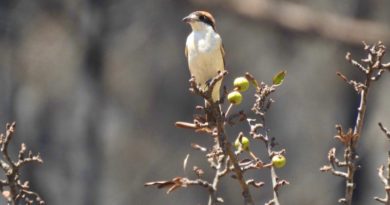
214 106
215 95
212 110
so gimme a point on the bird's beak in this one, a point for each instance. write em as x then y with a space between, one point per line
189 18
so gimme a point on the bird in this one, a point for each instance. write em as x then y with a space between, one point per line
204 51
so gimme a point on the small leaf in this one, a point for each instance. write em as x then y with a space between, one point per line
279 77
252 79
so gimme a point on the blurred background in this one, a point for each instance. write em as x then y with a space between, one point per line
95 86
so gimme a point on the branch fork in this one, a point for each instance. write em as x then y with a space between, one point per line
12 188
221 156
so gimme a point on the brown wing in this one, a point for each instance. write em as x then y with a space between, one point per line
223 54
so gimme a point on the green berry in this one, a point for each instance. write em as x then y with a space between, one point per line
278 161
244 144
235 97
241 83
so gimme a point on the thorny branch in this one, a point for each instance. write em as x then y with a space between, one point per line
262 104
221 156
385 179
12 188
373 68
219 133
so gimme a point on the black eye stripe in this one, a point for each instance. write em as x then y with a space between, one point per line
206 20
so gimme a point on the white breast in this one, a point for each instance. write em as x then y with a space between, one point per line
205 58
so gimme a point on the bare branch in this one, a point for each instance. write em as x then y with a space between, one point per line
385 130
179 182
18 191
385 178
260 108
356 64
378 75
372 71
356 85
386 65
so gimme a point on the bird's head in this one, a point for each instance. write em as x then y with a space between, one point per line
200 20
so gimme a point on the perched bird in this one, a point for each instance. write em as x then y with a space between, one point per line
204 50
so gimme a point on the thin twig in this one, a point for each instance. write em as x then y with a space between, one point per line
385 130
385 179
274 179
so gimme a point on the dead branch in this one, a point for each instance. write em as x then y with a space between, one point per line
262 104
372 68
13 189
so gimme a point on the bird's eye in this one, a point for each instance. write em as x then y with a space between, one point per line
206 20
